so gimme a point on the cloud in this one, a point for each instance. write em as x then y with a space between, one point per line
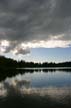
27 21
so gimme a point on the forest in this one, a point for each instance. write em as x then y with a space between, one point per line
10 67
10 63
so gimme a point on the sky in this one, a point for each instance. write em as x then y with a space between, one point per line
36 30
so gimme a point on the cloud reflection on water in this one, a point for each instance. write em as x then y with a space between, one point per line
23 87
3 90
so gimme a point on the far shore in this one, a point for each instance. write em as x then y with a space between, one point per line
35 68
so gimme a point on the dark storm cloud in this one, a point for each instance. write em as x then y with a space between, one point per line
28 20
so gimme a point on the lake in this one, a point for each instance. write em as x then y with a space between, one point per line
38 88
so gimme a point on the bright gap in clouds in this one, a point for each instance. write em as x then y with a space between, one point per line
25 48
3 45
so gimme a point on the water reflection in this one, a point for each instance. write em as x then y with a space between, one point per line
12 87
12 72
3 90
53 87
28 81
23 87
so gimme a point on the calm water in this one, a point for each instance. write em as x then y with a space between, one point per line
37 89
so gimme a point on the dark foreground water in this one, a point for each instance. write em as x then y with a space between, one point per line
36 89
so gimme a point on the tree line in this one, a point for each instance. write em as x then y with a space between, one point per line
10 63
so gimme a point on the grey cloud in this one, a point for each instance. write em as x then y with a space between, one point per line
22 51
15 48
28 20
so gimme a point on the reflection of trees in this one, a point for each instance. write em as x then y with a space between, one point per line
13 72
8 67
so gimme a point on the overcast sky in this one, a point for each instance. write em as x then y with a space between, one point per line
29 27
